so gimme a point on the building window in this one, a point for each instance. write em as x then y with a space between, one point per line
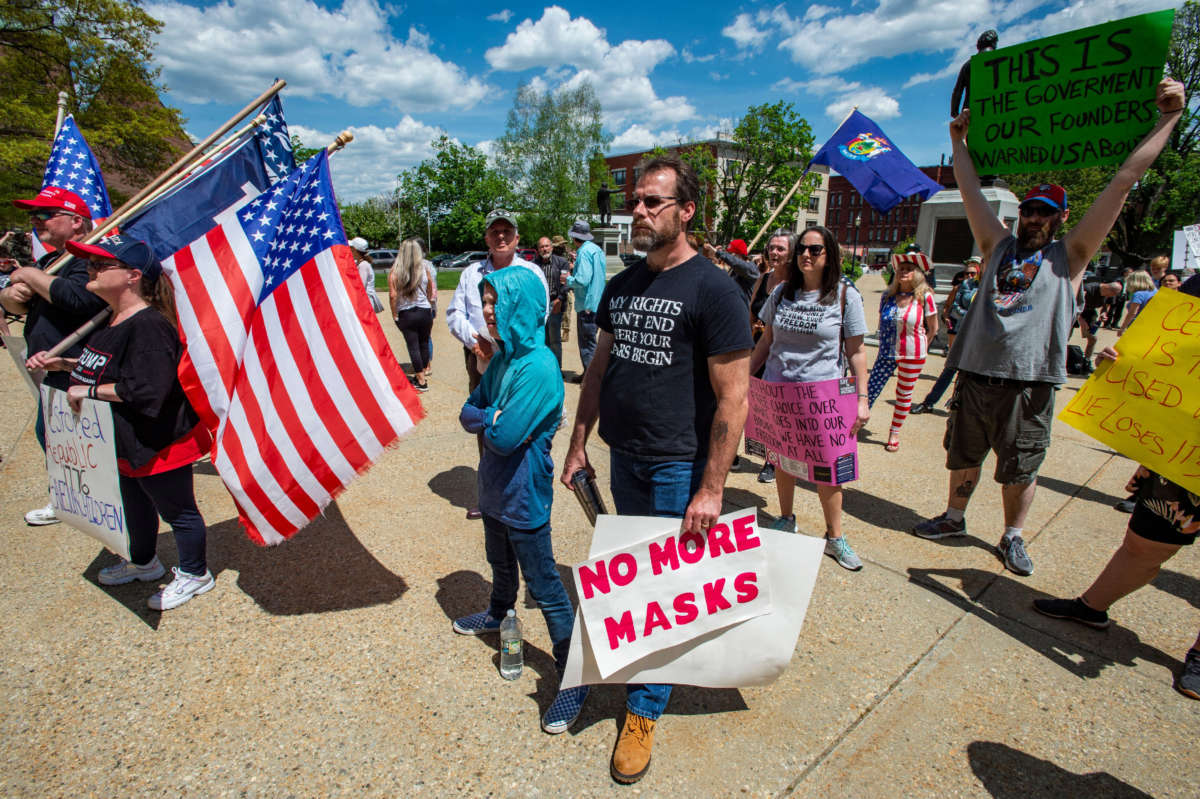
814 202
810 223
618 176
637 174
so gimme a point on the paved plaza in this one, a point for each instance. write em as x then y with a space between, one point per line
327 666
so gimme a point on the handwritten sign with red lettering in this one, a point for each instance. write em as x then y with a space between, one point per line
1146 405
81 461
805 427
671 588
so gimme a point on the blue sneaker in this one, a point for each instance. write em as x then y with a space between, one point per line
784 524
476 624
565 708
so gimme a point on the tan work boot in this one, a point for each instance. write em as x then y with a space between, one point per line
631 757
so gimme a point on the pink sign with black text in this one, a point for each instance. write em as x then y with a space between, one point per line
805 427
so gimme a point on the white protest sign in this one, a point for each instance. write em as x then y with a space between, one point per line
16 348
671 588
81 460
751 652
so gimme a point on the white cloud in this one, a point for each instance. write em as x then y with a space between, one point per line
640 137
743 32
500 16
717 76
871 100
368 165
691 58
226 53
575 51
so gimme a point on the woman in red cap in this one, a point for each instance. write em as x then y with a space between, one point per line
132 364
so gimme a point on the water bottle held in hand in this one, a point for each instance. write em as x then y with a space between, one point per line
511 647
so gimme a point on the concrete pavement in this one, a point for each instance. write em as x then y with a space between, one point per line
327 666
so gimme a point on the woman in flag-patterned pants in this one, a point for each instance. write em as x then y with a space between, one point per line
907 322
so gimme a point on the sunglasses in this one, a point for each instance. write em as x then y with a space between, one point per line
813 249
652 201
1038 210
46 216
92 266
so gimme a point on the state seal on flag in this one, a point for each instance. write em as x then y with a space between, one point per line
865 146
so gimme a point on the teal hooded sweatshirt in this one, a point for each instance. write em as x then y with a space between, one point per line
523 382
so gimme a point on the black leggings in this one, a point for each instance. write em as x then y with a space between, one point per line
415 325
170 495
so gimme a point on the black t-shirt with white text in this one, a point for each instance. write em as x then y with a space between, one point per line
656 401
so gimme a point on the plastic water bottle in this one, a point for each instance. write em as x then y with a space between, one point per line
511 655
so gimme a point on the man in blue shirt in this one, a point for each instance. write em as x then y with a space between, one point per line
587 281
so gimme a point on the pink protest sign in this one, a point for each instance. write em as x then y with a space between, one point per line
805 427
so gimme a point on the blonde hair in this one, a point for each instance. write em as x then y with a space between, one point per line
1159 262
1139 280
407 270
920 287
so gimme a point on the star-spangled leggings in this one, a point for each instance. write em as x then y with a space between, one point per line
906 379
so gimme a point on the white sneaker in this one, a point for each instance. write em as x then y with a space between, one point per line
126 572
42 516
181 589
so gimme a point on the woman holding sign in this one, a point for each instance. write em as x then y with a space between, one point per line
131 363
907 323
814 325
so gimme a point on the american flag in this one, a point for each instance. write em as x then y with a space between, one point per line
285 359
276 142
73 167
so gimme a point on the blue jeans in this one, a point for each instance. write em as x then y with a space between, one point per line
939 387
554 335
171 496
510 547
652 488
585 322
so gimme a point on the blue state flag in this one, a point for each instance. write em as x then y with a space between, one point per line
73 167
863 154
189 209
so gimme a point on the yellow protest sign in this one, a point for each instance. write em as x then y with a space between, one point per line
1146 405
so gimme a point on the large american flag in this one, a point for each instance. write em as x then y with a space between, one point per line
73 167
285 359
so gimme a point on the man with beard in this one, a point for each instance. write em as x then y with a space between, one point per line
556 269
668 383
1011 349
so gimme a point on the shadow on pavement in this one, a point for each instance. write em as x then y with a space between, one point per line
1008 773
880 512
1066 649
133 595
323 568
456 485
1084 493
1184 586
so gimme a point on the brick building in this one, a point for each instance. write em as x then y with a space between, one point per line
876 232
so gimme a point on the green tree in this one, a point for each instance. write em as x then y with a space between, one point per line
455 189
548 143
768 150
375 220
99 52
301 153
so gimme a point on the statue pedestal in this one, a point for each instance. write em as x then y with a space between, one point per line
943 232
608 239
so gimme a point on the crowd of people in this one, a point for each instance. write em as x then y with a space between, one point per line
668 347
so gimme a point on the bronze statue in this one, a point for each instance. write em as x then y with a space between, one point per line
603 203
987 41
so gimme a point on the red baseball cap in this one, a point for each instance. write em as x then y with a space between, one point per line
1048 193
52 198
738 247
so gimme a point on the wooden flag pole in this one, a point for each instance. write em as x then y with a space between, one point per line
62 112
136 202
794 188
340 141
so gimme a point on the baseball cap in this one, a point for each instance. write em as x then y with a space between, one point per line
52 198
359 243
134 253
1048 193
974 259
581 230
738 247
499 213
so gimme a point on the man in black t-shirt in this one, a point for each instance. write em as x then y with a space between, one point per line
56 305
668 383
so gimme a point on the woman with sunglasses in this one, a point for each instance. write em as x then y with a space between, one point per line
907 323
780 247
131 363
814 325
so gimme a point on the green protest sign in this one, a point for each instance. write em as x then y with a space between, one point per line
1074 100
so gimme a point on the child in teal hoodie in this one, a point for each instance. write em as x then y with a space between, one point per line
517 407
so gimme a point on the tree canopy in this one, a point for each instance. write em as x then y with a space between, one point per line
375 220
99 52
456 189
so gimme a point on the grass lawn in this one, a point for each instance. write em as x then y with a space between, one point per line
445 281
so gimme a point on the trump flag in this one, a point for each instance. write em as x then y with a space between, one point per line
284 358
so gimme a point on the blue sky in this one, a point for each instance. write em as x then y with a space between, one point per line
400 75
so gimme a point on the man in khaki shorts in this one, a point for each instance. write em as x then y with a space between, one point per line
1011 349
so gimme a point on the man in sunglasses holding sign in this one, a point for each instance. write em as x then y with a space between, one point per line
1011 349
56 305
668 384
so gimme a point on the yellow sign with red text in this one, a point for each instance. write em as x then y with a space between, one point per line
1146 404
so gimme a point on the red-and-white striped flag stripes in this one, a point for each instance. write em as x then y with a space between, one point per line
298 383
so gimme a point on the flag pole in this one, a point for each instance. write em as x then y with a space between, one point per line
339 142
796 186
135 202
62 112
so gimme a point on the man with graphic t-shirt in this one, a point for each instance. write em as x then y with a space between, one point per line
1011 349
668 383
